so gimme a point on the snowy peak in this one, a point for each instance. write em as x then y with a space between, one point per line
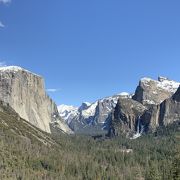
88 111
64 107
125 95
106 104
168 85
152 91
161 79
67 112
162 83
12 68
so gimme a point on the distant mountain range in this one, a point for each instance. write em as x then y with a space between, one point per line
90 115
127 109
154 103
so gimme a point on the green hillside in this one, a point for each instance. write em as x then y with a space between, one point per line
28 153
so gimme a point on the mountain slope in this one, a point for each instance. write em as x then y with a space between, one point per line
12 124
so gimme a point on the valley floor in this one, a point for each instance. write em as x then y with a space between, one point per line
151 157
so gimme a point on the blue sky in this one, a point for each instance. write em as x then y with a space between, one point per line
91 49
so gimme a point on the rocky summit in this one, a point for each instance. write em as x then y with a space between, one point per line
24 91
151 91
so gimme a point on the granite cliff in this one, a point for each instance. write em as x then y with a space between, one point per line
126 116
24 91
163 114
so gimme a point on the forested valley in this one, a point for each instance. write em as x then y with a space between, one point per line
150 157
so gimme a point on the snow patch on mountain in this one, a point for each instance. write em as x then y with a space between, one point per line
90 111
15 69
89 114
67 112
162 83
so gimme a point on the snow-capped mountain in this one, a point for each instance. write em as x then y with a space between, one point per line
67 112
99 114
90 114
152 91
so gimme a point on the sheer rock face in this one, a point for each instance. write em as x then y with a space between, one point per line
126 115
25 93
150 118
104 108
170 109
165 113
155 92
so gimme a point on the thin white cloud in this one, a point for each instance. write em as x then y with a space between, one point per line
5 1
52 90
1 25
2 63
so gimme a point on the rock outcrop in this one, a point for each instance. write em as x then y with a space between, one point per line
25 93
170 109
126 116
163 114
150 91
150 118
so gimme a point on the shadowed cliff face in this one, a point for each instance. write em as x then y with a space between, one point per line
163 114
170 109
25 93
126 115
